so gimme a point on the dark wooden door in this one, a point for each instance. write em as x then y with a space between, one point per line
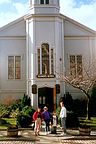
45 98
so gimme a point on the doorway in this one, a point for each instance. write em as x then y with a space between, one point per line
45 98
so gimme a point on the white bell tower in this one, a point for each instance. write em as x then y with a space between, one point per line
44 6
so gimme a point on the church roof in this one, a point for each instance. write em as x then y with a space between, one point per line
11 23
89 30
65 18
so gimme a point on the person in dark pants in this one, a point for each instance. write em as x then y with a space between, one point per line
47 117
63 116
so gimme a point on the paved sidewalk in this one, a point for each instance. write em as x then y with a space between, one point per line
27 137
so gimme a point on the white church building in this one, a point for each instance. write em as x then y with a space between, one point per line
36 46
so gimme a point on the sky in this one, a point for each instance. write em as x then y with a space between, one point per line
83 11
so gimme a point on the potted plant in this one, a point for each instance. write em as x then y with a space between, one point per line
12 131
84 129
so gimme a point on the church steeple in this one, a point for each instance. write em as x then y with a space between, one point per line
44 6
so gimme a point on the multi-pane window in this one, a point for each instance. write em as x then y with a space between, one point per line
44 1
17 67
76 65
47 1
41 1
45 59
11 67
79 65
14 67
72 65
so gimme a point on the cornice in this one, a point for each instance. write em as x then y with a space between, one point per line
12 90
78 24
13 37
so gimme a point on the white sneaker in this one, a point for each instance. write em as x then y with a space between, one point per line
63 134
48 132
45 133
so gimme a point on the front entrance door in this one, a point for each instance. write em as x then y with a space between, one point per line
45 98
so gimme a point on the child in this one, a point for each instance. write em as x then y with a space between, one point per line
38 118
47 117
54 123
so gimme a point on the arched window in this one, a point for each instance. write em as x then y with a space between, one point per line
45 59
41 1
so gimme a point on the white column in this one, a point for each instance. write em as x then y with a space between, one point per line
41 60
27 56
63 56
50 58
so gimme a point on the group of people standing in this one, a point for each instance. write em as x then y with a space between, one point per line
46 116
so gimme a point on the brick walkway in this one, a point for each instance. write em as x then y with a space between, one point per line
78 142
62 142
16 142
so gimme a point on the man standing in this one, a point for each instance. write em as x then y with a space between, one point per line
63 116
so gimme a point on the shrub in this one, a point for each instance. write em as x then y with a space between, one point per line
58 114
10 127
68 101
4 111
2 121
24 119
84 125
71 120
14 113
14 106
92 104
27 110
26 101
79 107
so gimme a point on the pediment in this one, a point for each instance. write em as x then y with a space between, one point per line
15 28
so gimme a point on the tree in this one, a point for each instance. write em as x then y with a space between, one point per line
81 76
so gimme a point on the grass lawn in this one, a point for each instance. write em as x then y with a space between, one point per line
9 121
91 122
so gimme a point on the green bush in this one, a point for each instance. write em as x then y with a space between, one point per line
28 110
10 127
14 113
58 114
68 101
14 106
71 120
2 121
9 111
92 104
24 119
26 101
4 111
79 107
